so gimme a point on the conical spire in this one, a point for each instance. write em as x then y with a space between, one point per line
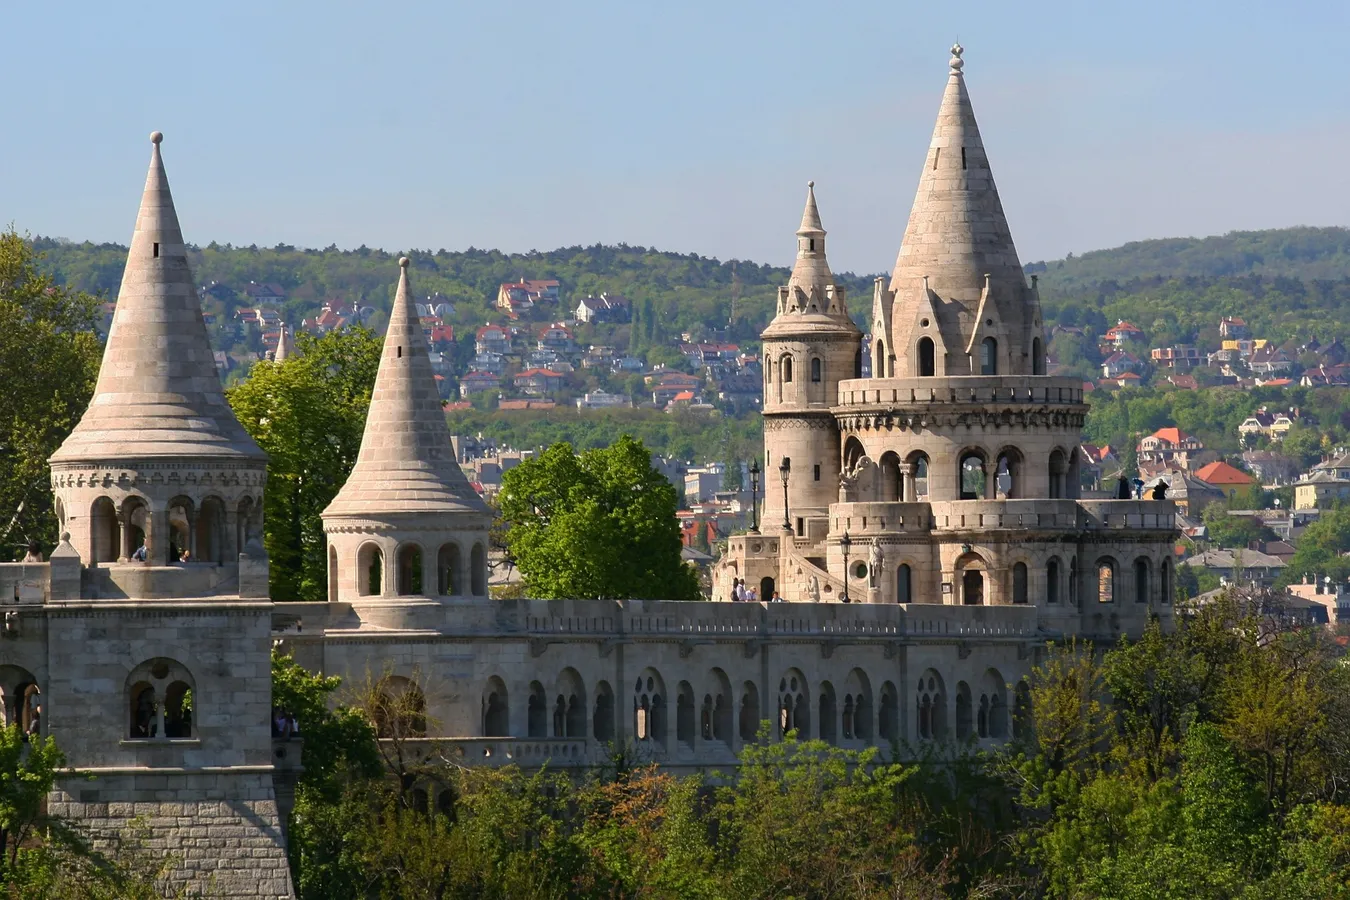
406 463
285 346
158 392
811 215
958 240
811 271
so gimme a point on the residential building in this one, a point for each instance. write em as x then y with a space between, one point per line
1240 565
1181 357
1123 334
1225 477
1269 360
1336 464
477 383
1321 490
702 482
605 309
492 339
1119 363
521 296
1233 329
537 382
1191 495
600 399
1270 467
557 338
1170 447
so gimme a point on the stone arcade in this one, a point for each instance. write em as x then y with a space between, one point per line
940 495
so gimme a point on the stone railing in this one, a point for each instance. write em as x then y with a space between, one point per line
25 582
877 518
1128 514
958 515
505 751
968 389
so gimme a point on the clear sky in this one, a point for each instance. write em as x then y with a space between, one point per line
689 126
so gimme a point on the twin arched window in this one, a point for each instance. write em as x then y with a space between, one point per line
160 701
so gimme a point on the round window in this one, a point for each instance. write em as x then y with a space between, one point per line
860 570
923 323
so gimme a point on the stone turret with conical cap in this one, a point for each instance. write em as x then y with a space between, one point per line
158 392
285 345
957 269
809 347
406 499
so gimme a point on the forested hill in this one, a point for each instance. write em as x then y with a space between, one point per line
688 292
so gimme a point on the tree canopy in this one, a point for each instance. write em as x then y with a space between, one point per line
308 413
600 524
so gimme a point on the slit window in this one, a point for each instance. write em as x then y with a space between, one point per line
156 251
963 157
400 352
817 471
937 153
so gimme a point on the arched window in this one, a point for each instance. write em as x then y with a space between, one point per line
828 714
919 462
794 710
449 571
1037 357
705 718
537 712
478 570
409 570
1167 587
160 701
1073 581
815 370
902 584
787 370
972 587
333 582
1008 475
496 712
964 713
1052 581
135 527
847 721
927 366
603 719
370 570
1106 581
879 358
684 714
857 362
1019 583
1141 580
103 525
649 717
1058 469
722 717
891 483
988 356
888 719
971 476
749 715
210 530
182 518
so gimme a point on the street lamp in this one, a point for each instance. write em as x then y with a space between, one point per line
785 470
846 544
754 496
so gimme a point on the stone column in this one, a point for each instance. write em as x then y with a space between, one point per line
907 482
229 537
123 537
990 468
157 537
430 572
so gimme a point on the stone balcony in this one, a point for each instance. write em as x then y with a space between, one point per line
865 519
871 394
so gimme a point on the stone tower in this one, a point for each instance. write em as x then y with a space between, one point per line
809 347
154 670
407 524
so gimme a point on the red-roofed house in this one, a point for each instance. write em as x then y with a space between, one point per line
477 383
521 296
538 381
556 337
1123 333
1234 329
442 334
1223 476
1119 363
1169 447
492 339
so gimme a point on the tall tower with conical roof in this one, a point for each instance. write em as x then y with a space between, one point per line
809 347
157 676
407 524
961 304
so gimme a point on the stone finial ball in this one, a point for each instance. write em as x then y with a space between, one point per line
156 137
811 184
403 262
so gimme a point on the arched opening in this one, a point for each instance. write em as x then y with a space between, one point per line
815 370
1037 357
892 486
931 704
1058 471
903 576
705 718
449 571
684 714
857 362
135 528
794 710
787 370
332 574
828 713
571 691
22 699
144 711
409 570
993 706
1008 475
972 587
536 725
1021 722
103 524
602 721
919 478
178 710
478 570
1073 581
1106 580
720 707
846 719
1019 585
766 588
496 712
1167 588
857 707
749 714
879 358
1141 580
964 713
971 475
988 356
888 716
560 717
927 366
210 530
370 570
1052 581
400 709
182 518
982 717
649 713
853 453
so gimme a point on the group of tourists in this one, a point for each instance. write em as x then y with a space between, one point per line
742 594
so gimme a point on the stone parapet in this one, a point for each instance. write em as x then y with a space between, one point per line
856 394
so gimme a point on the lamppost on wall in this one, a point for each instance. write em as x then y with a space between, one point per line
784 471
754 496
846 544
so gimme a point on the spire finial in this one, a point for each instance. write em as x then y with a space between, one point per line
810 185
955 62
403 262
156 137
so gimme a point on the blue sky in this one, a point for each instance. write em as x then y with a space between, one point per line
687 126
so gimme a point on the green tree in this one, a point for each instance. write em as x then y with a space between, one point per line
308 413
596 525
50 354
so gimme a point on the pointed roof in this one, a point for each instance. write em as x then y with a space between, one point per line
812 269
285 346
158 392
406 463
811 302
